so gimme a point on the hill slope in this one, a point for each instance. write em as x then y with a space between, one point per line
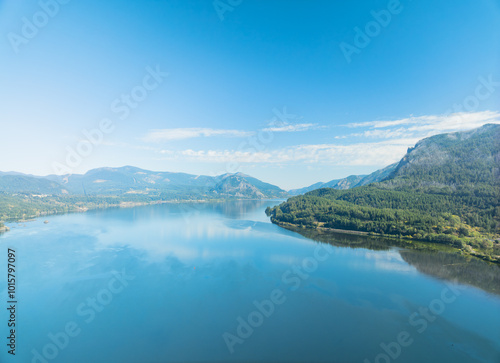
352 181
449 163
19 183
445 189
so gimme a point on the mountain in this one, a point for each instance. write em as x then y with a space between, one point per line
344 183
378 175
241 185
16 183
131 180
446 189
453 162
433 162
349 182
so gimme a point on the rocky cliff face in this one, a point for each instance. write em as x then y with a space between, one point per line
455 160
237 186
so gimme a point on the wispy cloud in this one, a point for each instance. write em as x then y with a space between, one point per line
424 126
190 133
384 134
382 143
290 128
377 153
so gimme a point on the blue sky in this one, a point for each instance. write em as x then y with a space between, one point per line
262 87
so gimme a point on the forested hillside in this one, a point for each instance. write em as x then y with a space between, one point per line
445 190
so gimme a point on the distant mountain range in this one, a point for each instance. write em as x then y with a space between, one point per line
432 162
132 180
129 179
349 182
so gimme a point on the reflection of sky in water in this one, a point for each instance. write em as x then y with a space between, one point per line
198 267
390 260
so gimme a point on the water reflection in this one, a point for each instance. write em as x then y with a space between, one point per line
229 209
451 266
431 259
190 232
197 269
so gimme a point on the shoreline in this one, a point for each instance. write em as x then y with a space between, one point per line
123 204
294 227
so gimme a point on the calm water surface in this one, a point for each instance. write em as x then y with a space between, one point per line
178 283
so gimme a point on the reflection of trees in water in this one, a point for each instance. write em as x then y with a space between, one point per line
348 240
426 258
450 266
235 208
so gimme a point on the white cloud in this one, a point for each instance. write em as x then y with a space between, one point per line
386 142
384 134
190 133
378 124
290 128
425 126
457 121
219 156
378 153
